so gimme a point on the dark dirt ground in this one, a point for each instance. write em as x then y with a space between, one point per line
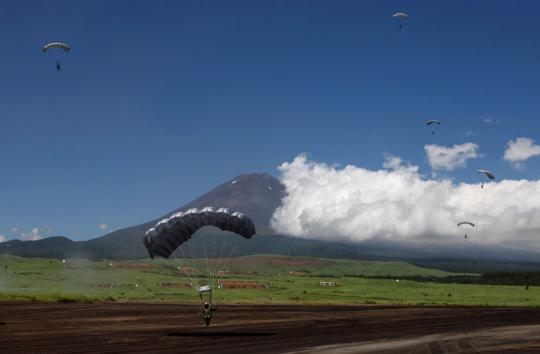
238 329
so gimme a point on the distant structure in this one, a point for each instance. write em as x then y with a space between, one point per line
327 283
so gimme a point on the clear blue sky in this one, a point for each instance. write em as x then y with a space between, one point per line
159 101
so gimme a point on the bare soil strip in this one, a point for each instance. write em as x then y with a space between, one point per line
168 328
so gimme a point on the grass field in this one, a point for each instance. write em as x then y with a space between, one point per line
80 280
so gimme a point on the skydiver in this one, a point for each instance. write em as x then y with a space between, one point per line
465 237
58 66
207 311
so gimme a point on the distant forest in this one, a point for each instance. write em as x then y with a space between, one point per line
524 279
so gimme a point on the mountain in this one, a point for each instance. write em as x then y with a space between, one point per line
258 195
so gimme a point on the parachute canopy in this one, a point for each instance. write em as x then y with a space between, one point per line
465 223
432 121
400 15
171 232
487 173
59 45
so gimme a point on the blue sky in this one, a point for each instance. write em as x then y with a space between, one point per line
159 101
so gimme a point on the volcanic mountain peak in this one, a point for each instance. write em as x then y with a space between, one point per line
256 195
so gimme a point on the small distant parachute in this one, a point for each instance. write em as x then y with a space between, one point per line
59 45
400 16
465 224
170 233
488 174
432 123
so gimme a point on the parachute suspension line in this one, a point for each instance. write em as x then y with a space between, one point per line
212 266
219 261
194 283
226 262
192 266
208 275
216 260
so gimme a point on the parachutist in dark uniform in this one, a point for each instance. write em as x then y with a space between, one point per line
207 311
465 237
58 66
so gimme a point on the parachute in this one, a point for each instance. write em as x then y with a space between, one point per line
431 123
465 223
488 175
400 16
59 45
170 233
203 273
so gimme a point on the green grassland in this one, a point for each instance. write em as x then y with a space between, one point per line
38 279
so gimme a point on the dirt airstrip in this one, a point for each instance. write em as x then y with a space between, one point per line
167 328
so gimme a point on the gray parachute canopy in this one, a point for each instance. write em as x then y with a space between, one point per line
466 223
59 45
487 173
432 121
171 232
400 15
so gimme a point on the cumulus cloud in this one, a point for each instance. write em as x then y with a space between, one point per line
519 150
3 238
354 204
15 229
450 158
32 235
103 226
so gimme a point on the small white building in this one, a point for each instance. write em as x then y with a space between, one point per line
327 283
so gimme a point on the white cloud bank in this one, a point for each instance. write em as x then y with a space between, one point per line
519 150
103 226
3 238
353 204
450 158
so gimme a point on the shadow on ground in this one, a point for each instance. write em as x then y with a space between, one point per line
220 334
